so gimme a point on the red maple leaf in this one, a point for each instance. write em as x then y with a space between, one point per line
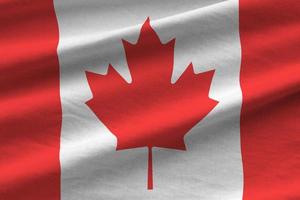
150 111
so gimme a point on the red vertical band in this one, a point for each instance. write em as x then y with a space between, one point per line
30 110
270 81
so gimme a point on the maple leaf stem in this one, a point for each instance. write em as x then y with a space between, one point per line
150 169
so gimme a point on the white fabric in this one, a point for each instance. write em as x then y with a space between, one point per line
206 34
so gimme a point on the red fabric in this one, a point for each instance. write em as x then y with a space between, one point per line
30 110
270 81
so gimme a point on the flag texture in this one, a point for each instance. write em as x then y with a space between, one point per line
139 99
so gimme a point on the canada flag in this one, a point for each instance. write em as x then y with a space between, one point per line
162 99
